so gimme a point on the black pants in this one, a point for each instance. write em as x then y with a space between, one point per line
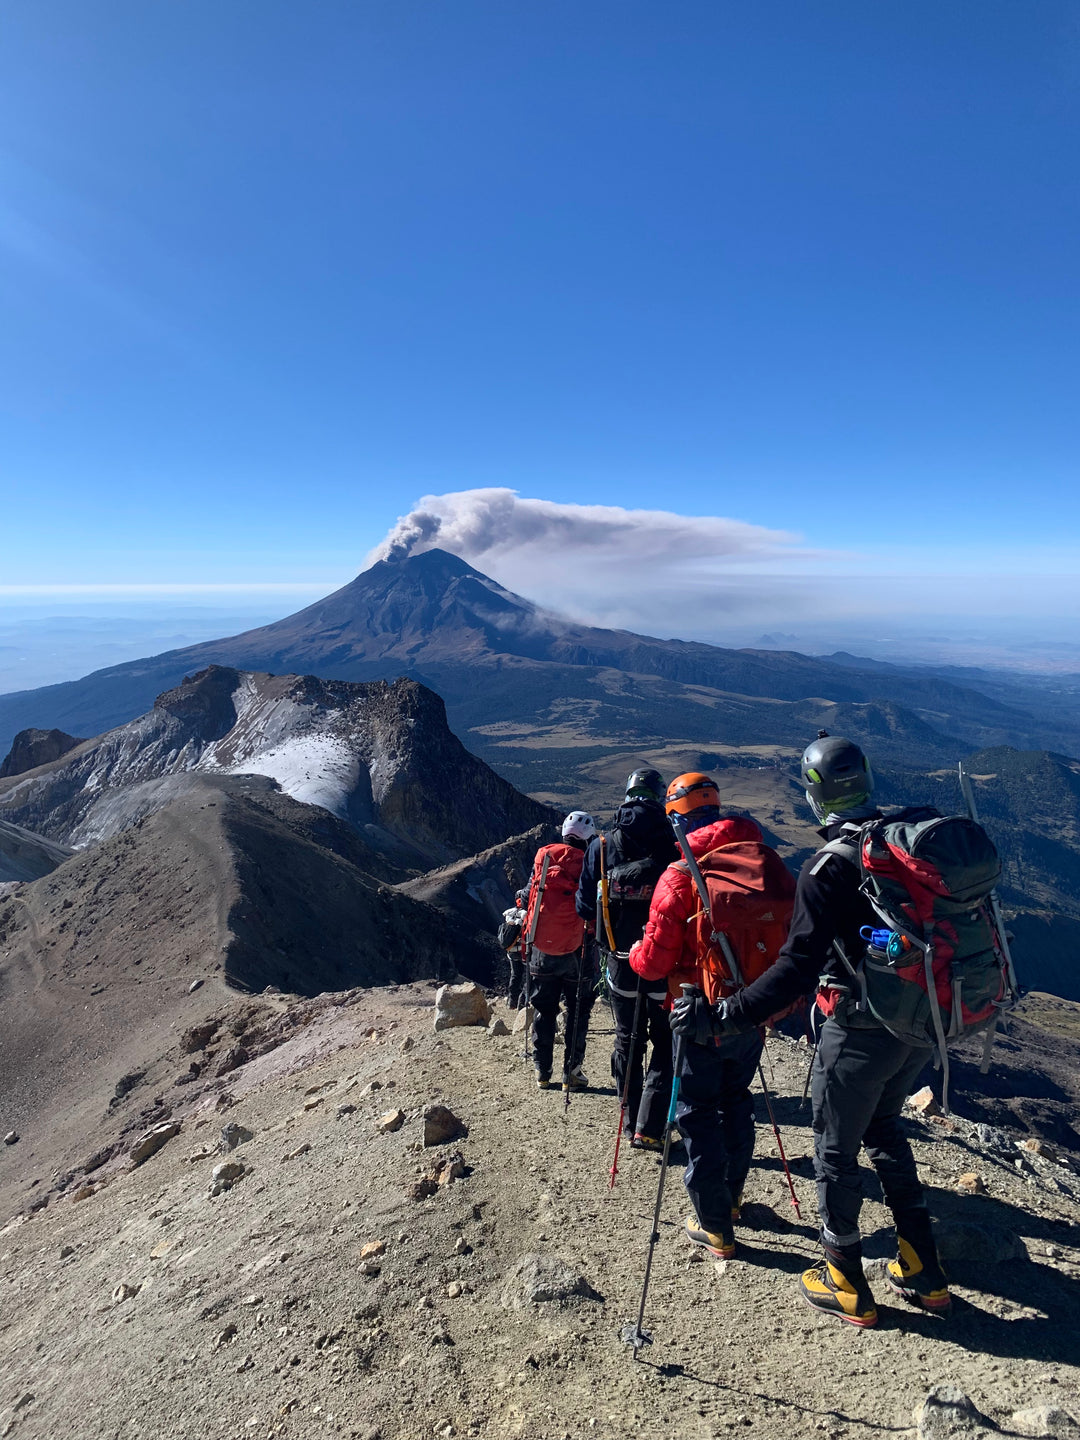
515 994
860 1082
555 983
648 1097
715 1116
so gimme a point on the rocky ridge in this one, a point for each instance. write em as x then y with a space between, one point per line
268 1259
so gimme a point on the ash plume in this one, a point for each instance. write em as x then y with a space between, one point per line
602 562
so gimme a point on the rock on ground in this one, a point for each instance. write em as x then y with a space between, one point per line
544 1279
948 1414
460 1005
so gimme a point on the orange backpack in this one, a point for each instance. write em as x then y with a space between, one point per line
751 895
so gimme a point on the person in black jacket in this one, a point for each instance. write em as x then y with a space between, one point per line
632 856
862 1073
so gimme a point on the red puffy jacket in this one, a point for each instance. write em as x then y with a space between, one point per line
560 929
666 950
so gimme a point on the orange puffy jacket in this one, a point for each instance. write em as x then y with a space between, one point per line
666 951
560 929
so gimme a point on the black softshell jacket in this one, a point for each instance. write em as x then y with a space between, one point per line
829 907
640 837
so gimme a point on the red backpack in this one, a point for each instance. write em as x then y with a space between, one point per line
559 929
751 895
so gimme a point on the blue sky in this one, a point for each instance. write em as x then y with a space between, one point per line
271 272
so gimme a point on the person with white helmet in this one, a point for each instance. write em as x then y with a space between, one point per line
560 959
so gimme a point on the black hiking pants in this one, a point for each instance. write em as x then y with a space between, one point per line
649 1094
553 980
515 993
860 1082
715 1116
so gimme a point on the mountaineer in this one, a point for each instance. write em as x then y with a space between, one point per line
513 921
750 892
862 1070
559 954
617 882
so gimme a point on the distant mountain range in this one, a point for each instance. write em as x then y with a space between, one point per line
497 658
563 710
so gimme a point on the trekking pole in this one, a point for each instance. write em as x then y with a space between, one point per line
779 1142
998 922
567 1085
528 944
633 1334
625 1100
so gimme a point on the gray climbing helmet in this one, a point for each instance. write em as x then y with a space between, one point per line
836 774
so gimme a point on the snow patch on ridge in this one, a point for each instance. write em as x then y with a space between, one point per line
315 769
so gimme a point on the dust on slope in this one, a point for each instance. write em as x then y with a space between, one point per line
254 1313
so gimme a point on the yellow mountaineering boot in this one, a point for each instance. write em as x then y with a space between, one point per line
838 1287
722 1246
919 1279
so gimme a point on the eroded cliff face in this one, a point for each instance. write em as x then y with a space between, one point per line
379 756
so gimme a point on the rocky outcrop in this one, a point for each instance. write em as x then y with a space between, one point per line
32 748
378 756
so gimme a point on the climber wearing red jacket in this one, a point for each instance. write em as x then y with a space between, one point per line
715 1112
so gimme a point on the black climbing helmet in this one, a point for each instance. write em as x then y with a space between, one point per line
645 785
836 774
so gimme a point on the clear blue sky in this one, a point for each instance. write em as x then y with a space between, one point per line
270 271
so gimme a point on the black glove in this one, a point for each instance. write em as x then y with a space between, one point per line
694 1019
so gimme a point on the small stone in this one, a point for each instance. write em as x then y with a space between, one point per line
462 1246
251 1301
440 1125
314 1102
370 1268
544 1279
195 985
460 1005
1046 1420
958 1241
224 1176
295 1154
720 1266
163 1247
947 1413
924 1101
123 1292
449 1169
1034 1146
498 1026
11 1138
233 1135
66 1250
971 1184
455 1290
370 1088
390 1121
150 1143
224 1336
991 1138
372 1249
343 1110
84 1192
422 1189
1053 1252
406 1044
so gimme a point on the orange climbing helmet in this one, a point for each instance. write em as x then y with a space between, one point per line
690 792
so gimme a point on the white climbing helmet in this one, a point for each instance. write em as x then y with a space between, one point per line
579 824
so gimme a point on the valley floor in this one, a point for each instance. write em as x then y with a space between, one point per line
150 1308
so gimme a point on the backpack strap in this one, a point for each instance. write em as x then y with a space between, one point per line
846 845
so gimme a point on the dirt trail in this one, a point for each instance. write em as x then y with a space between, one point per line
252 1314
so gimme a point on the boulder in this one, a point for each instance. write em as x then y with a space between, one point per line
460 1005
150 1143
498 1026
440 1125
233 1135
544 1280
389 1121
961 1240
